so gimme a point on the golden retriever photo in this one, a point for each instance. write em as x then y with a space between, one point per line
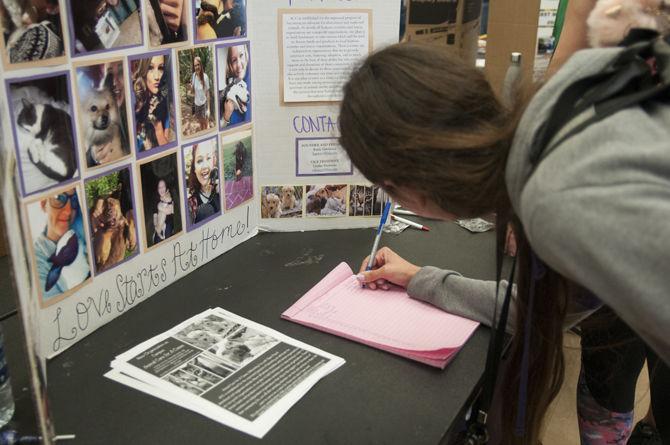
112 219
287 197
283 201
271 206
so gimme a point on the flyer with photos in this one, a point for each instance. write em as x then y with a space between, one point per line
227 368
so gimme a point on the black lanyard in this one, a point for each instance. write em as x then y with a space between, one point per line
477 428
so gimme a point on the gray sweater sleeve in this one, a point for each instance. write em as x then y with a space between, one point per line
456 294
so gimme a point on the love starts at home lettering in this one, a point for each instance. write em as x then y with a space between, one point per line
130 288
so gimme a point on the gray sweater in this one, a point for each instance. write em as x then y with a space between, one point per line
596 209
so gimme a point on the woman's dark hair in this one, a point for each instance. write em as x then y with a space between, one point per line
193 183
201 74
417 118
140 69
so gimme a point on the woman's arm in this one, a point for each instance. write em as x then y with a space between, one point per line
160 133
456 294
446 289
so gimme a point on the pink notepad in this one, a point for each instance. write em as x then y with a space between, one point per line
387 320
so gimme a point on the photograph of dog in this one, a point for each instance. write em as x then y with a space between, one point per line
111 216
219 19
43 131
103 112
166 21
234 84
59 249
196 90
237 168
326 200
366 200
282 201
98 25
32 32
161 200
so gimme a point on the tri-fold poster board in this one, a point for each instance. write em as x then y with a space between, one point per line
140 141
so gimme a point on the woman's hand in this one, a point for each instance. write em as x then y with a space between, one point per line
228 108
389 268
102 153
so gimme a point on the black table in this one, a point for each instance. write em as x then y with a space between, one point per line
376 397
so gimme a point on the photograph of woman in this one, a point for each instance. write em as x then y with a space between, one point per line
196 104
160 199
59 244
153 102
234 84
201 167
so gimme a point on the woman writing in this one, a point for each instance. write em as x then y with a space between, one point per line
200 89
153 111
203 182
447 149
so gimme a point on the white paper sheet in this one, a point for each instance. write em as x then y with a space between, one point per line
195 365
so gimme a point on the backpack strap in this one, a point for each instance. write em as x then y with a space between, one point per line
640 73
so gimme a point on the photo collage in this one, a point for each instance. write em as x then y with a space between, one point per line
121 137
330 200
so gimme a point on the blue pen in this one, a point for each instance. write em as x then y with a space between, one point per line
378 236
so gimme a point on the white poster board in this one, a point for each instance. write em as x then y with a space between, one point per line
163 141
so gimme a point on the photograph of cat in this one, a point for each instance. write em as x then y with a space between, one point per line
43 131
103 115
32 32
